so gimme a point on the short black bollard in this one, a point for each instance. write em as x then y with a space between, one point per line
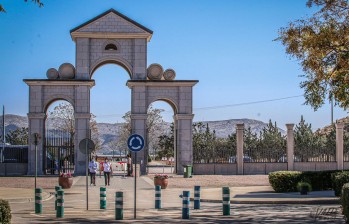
119 206
60 204
226 200
157 196
196 197
185 204
103 198
38 201
57 188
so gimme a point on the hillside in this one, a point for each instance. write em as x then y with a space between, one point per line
110 132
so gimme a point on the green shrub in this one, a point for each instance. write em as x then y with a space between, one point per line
319 180
302 185
345 201
5 212
339 180
284 181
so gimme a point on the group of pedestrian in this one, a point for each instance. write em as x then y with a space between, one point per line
107 169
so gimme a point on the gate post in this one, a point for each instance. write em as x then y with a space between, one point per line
290 147
339 146
240 148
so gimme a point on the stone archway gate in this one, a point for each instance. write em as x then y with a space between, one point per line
111 38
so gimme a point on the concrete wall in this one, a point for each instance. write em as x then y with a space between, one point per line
263 168
315 166
13 169
215 169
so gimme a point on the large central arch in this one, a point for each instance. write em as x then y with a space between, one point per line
112 38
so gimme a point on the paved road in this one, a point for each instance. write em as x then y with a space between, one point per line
75 208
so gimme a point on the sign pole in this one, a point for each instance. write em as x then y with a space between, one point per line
135 190
36 156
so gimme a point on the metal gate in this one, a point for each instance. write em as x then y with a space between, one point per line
58 152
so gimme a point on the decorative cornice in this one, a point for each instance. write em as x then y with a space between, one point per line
110 35
82 115
184 116
48 82
162 83
36 115
240 126
289 127
339 125
139 116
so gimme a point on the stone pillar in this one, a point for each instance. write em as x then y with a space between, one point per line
82 60
339 145
138 123
290 146
36 125
240 148
82 131
184 141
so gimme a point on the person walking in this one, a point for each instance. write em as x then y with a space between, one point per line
129 165
107 171
93 166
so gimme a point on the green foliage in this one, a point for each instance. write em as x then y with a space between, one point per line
339 180
284 181
269 147
345 201
5 212
301 185
304 141
320 44
18 137
166 144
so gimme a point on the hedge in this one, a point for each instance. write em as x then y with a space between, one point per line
345 201
286 181
5 212
339 179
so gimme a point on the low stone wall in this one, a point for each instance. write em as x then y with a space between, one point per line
13 169
263 168
315 166
215 168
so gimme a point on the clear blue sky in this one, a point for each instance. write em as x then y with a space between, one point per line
227 45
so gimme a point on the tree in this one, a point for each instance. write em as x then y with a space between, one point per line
166 144
38 2
304 141
320 43
18 136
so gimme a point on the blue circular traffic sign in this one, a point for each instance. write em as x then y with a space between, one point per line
135 143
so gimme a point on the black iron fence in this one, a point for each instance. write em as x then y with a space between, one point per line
58 152
15 153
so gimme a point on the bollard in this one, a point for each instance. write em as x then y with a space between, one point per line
196 197
185 204
38 201
60 204
57 188
226 200
157 197
119 206
103 198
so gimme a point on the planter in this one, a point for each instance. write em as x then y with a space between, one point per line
65 182
304 190
163 182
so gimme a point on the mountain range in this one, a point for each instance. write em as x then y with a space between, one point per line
110 132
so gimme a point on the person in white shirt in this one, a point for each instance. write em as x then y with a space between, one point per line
93 166
107 171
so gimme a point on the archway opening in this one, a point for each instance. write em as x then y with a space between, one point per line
59 132
161 136
110 105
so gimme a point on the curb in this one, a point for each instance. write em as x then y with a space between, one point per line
47 196
269 202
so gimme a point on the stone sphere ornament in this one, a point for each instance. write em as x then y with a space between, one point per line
66 71
154 72
169 74
52 73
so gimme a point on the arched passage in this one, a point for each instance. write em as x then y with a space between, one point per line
59 136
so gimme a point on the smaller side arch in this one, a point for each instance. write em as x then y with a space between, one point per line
171 102
51 99
113 59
